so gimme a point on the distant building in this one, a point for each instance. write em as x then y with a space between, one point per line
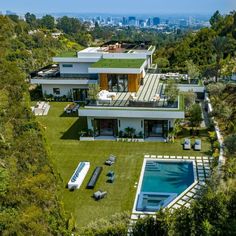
124 21
183 23
156 21
8 12
132 20
149 22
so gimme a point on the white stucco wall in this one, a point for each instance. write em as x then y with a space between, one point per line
64 89
129 122
78 68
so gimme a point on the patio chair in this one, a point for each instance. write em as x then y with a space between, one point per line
111 179
99 194
111 160
110 173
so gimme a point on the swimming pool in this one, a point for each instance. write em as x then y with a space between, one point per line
162 181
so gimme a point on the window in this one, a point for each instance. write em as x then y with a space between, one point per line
118 82
56 91
67 65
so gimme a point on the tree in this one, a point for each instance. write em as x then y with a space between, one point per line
31 20
171 91
195 114
162 63
48 22
193 70
230 144
215 19
189 99
93 92
219 44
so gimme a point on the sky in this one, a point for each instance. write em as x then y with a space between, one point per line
119 6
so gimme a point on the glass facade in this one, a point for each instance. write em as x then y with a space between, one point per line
80 94
155 128
118 82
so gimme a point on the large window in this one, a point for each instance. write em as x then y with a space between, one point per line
80 94
118 82
67 65
56 91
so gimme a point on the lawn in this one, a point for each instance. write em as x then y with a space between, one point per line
66 151
118 63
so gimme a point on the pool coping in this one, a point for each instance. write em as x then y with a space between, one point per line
134 211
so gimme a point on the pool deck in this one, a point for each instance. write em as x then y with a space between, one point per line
202 168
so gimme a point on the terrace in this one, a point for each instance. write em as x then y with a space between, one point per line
149 95
52 72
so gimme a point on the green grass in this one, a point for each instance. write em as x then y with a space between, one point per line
66 152
67 54
118 63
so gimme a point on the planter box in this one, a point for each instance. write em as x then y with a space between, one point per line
86 138
130 140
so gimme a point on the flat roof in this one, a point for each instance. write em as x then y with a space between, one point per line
118 63
67 54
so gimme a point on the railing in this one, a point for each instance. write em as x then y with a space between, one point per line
139 104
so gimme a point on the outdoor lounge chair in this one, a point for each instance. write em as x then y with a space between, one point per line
111 160
99 194
187 144
111 179
197 145
110 173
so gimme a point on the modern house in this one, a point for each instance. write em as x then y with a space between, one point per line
129 97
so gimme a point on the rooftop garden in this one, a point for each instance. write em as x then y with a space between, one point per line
67 54
118 63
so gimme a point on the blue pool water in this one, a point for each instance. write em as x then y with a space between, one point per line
162 182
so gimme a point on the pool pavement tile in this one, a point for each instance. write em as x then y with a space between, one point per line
134 217
185 198
205 158
185 157
175 206
159 156
166 157
172 157
179 157
146 156
187 204
192 158
153 156
190 194
199 158
181 202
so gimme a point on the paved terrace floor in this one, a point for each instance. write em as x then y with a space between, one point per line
146 92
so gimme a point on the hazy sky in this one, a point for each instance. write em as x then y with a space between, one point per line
119 6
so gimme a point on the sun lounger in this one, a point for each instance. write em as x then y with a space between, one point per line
187 144
197 145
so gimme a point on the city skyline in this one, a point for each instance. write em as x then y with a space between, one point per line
123 7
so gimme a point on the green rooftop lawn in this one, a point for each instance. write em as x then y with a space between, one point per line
67 54
66 151
118 63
